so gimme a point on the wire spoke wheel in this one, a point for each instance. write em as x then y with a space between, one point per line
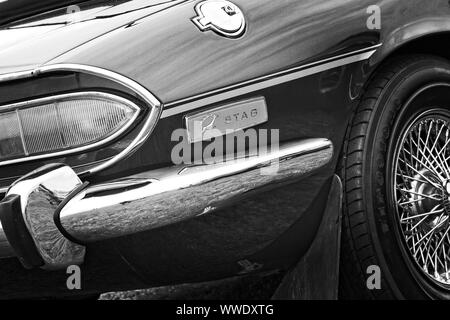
421 189
395 169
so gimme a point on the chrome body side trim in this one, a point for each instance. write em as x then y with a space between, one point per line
17 75
194 102
274 79
152 199
154 105
63 97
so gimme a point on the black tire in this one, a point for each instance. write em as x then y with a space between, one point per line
371 231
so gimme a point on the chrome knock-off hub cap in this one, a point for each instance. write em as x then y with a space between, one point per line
421 191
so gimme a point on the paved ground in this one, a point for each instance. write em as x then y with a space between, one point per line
250 288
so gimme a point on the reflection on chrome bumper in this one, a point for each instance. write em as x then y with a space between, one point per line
59 210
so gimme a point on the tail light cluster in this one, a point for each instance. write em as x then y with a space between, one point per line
62 124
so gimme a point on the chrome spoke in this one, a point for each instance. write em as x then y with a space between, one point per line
422 215
432 196
421 184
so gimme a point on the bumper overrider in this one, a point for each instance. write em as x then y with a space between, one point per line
49 216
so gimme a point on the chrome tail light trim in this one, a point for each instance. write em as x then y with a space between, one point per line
56 98
154 105
151 101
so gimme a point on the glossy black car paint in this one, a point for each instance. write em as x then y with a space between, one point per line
152 44
14 10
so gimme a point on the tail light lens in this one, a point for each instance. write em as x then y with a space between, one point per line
62 124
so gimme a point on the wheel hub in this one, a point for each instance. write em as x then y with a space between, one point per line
426 197
447 201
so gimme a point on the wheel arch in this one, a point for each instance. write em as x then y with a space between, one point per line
422 38
411 40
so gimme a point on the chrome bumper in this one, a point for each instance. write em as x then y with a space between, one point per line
61 214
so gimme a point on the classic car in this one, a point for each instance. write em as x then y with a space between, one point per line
114 116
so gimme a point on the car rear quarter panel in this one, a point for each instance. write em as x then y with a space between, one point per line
177 62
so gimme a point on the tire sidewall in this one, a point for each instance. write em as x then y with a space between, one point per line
404 281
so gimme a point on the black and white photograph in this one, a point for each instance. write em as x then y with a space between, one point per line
224 158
